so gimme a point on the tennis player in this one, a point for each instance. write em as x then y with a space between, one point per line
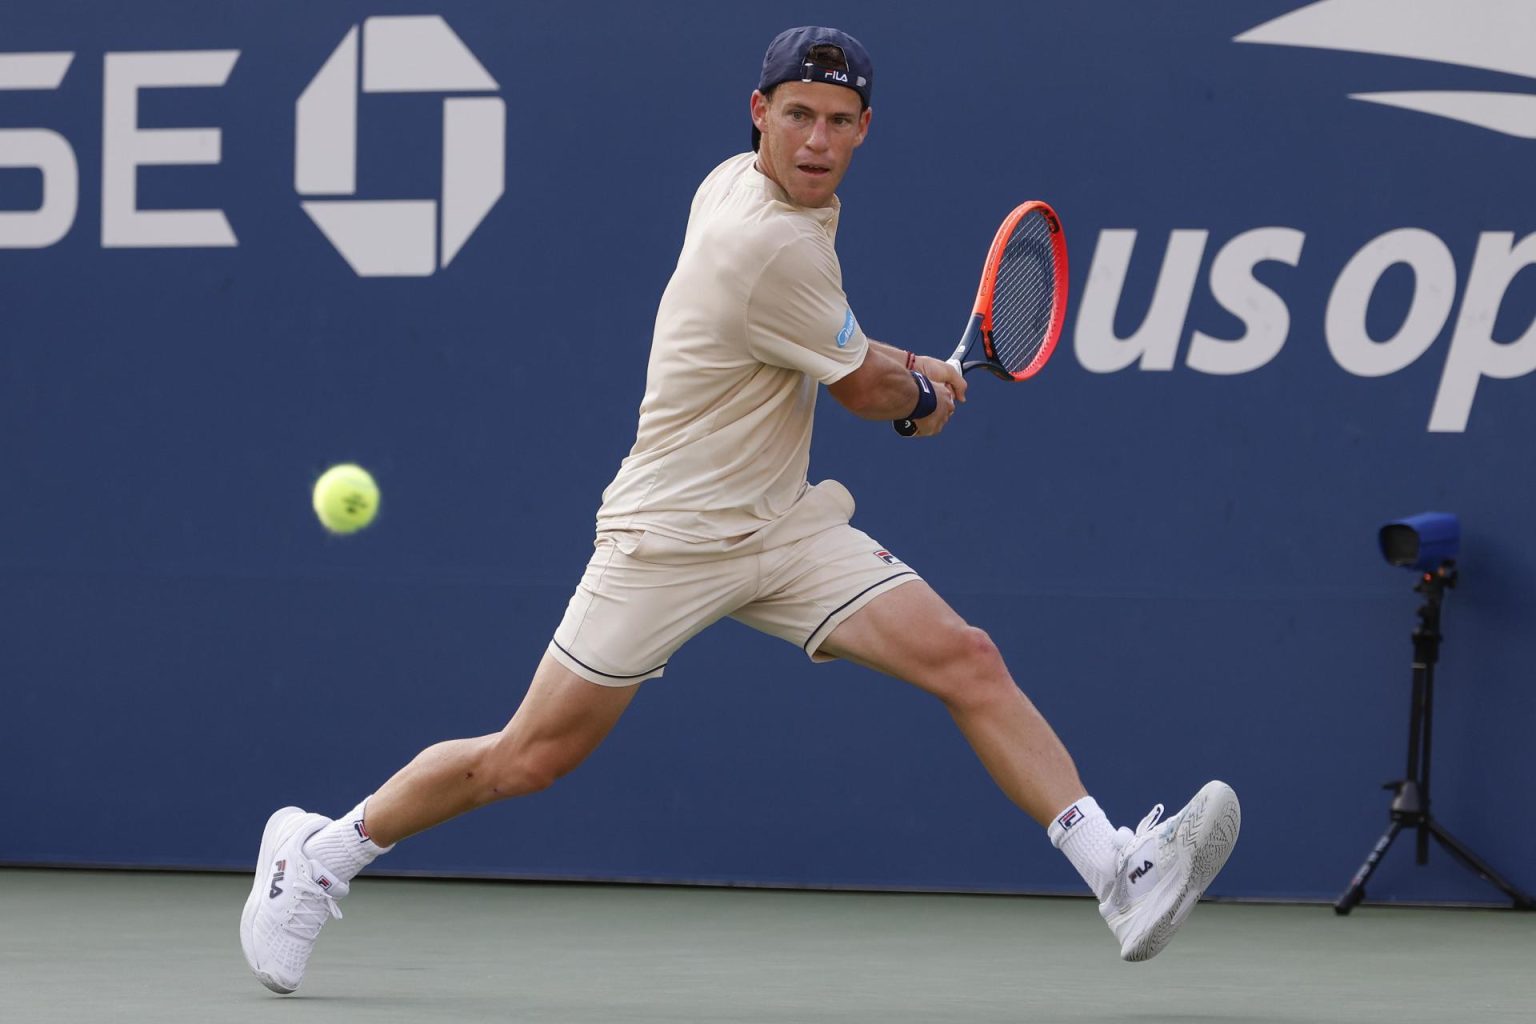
711 515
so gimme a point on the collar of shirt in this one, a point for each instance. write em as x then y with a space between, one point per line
826 216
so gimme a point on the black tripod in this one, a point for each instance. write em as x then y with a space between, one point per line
1410 807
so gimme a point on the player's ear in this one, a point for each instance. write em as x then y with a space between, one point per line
863 126
759 110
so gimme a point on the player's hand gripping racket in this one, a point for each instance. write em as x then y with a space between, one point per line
1022 302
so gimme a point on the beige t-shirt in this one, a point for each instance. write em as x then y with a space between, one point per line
752 320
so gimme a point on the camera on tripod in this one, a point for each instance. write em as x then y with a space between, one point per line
1422 542
1427 543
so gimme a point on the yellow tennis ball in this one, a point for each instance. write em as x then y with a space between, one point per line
346 498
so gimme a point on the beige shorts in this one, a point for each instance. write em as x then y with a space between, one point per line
640 599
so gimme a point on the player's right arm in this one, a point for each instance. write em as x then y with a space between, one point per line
798 317
882 388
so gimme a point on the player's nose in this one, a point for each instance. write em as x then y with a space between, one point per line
820 137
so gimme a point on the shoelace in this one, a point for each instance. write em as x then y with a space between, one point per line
1147 824
312 907
1150 820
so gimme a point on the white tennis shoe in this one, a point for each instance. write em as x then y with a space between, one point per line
291 899
1163 868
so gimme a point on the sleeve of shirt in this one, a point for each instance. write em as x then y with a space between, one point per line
798 316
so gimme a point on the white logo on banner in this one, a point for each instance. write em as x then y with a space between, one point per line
1494 35
400 237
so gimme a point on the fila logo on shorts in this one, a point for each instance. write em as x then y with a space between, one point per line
888 558
1070 818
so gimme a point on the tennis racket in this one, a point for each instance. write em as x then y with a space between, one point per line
1022 302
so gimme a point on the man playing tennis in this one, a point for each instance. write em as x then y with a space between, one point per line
711 515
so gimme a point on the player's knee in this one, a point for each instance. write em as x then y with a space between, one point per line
974 672
515 769
979 654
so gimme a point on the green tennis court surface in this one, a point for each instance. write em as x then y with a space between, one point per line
127 947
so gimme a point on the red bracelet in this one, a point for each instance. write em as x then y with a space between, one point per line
911 361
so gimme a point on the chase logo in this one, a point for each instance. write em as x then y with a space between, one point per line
1492 35
400 237
848 327
377 237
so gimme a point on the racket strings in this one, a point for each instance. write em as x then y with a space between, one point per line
1023 297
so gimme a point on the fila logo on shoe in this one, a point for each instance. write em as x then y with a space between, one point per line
277 876
1141 872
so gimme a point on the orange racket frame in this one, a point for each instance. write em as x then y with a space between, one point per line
980 324
981 313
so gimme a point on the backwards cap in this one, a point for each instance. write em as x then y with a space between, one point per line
789 60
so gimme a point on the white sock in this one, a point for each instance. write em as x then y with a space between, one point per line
344 845
1084 834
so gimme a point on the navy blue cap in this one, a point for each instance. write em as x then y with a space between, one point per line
788 60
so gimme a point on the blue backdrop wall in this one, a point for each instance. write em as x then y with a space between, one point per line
1302 305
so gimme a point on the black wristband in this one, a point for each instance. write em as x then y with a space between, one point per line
927 398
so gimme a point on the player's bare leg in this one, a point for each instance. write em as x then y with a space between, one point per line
1147 881
307 861
562 719
912 634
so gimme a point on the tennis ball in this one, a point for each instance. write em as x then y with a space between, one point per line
346 498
